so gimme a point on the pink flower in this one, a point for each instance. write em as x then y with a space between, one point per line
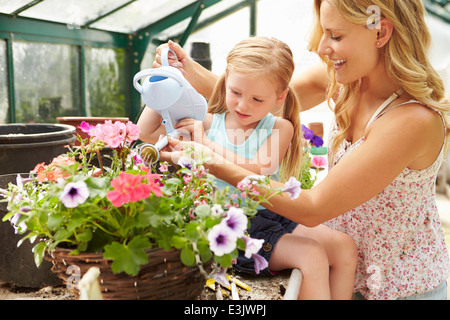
86 127
113 134
319 162
163 168
187 178
132 131
129 188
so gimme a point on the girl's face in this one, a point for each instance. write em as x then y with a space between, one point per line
352 48
250 99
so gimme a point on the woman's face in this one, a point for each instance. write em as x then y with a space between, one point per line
250 99
352 48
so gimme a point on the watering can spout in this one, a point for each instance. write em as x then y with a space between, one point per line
167 91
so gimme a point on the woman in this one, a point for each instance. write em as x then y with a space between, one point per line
385 150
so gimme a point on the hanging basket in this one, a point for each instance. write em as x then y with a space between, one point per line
165 277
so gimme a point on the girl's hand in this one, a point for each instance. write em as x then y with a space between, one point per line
177 149
195 129
181 61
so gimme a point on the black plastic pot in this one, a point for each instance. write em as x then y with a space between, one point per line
22 146
17 264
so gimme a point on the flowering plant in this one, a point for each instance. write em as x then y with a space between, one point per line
127 208
311 165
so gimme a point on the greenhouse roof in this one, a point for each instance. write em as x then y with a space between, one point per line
118 17
125 25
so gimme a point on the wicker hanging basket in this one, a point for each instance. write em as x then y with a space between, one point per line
165 277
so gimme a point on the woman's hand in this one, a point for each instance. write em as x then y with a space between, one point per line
181 61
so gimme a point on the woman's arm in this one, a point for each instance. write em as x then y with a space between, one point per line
361 174
311 86
199 77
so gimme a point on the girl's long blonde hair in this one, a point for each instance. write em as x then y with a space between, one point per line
406 56
272 59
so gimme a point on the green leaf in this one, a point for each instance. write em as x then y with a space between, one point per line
62 234
203 211
85 236
205 252
76 220
54 220
187 256
128 257
192 232
39 251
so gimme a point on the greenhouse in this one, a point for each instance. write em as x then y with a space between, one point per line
63 59
78 58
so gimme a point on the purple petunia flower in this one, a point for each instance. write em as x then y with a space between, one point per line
252 246
317 141
221 240
236 221
186 163
307 133
221 277
292 186
260 263
74 193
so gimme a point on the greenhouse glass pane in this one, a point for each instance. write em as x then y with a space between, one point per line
75 13
106 85
140 14
9 6
46 79
4 100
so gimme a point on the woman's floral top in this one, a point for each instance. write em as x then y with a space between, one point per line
398 233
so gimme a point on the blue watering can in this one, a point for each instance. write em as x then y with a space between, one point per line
167 91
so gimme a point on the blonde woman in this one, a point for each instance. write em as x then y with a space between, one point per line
386 149
240 126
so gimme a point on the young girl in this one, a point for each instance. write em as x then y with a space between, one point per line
242 128
389 142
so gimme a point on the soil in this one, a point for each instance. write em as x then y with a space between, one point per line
262 288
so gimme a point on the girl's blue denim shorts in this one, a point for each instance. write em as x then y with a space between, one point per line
271 227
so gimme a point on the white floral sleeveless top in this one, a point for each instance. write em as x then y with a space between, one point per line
398 233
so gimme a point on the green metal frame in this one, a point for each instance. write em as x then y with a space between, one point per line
13 27
439 8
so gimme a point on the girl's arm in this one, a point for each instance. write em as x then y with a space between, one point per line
150 125
269 156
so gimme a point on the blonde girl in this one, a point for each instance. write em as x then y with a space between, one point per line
242 129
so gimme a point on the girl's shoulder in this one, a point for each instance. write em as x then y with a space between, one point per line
282 123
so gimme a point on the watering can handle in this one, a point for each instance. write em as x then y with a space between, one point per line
165 56
158 72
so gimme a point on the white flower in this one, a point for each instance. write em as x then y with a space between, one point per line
216 210
236 221
221 240
292 186
74 193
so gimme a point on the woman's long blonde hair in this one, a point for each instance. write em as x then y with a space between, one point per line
406 56
272 59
